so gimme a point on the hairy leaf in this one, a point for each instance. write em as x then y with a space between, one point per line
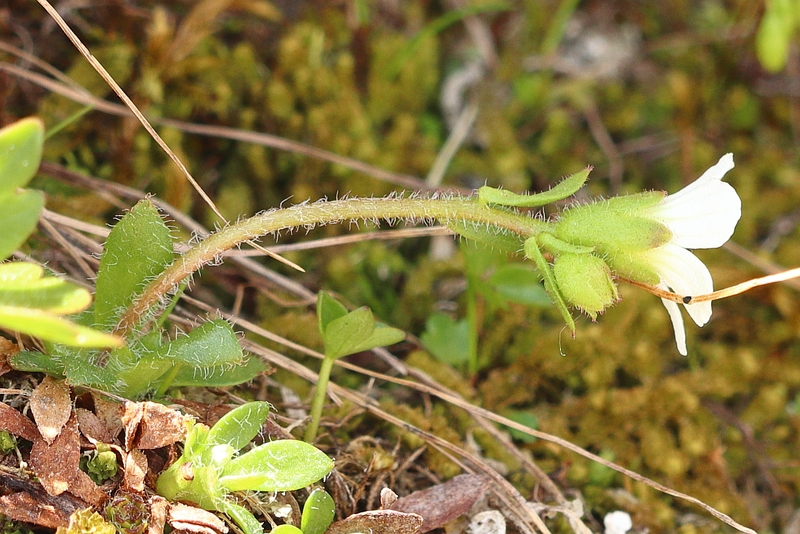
239 426
138 248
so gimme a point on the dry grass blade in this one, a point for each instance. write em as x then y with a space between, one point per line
738 289
223 132
143 120
128 102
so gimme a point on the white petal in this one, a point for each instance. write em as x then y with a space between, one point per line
684 274
704 213
715 173
677 325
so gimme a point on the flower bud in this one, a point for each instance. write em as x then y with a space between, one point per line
585 282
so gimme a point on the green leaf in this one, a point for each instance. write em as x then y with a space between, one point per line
286 529
283 465
345 333
138 248
196 441
22 285
82 366
565 188
446 339
775 33
45 325
517 283
525 418
356 332
36 362
382 336
210 344
240 425
18 218
20 153
328 309
246 521
219 375
318 512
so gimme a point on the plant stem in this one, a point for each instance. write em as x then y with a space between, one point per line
474 327
309 215
318 402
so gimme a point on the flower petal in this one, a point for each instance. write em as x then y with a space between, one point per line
685 274
677 325
704 213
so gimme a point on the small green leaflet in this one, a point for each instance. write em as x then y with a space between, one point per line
565 188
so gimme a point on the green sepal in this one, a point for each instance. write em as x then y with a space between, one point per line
556 246
565 188
532 252
618 224
488 235
633 266
585 281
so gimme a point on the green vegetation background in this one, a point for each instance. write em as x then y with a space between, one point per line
364 79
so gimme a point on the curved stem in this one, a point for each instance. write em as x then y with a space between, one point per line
392 209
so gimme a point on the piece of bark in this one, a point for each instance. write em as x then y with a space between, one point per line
14 422
378 522
25 500
149 425
158 514
92 427
51 406
189 518
135 471
109 412
57 466
442 503
7 350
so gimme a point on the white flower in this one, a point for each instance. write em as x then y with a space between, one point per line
701 215
617 522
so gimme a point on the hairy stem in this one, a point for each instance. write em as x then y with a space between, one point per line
411 210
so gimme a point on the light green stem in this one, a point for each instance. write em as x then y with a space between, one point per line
309 215
318 402
474 327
